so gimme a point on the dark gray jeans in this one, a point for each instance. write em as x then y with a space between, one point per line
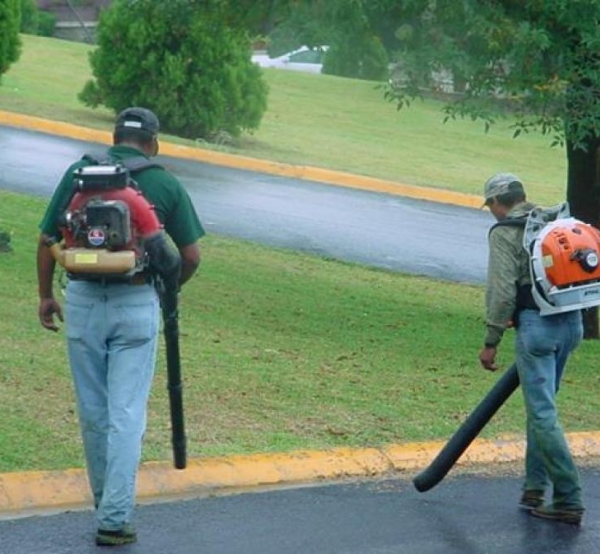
543 345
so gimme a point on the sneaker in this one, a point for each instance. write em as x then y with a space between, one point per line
572 516
531 499
105 537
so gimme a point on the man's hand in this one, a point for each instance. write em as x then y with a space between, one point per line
49 307
487 357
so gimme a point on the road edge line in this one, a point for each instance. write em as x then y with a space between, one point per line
308 173
33 492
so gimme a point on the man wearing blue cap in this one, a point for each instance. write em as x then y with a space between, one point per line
542 346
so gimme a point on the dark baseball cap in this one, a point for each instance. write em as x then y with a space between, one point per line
141 119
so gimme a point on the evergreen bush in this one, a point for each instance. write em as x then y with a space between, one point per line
10 45
358 59
29 17
46 24
180 59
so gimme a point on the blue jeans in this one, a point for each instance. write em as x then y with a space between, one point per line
543 345
112 335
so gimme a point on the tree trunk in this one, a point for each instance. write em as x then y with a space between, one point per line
583 195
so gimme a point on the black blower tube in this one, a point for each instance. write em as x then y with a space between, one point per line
165 263
174 383
468 431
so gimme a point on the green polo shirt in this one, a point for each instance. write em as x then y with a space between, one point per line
170 199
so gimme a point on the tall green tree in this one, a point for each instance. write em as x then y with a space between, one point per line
356 49
10 21
539 59
182 59
357 32
256 16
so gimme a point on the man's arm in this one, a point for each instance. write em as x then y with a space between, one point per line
190 260
45 273
501 293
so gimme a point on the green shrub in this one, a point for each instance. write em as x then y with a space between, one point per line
357 59
46 24
35 21
10 44
181 60
29 17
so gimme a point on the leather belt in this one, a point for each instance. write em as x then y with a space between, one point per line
137 279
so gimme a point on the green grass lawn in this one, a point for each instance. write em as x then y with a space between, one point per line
284 351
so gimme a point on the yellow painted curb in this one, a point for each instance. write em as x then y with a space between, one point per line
39 491
319 175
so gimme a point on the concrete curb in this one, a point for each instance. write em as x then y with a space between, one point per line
319 175
43 491
50 491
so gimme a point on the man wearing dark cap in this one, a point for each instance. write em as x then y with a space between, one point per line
112 328
542 347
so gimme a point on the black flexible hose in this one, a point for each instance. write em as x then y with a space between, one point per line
468 431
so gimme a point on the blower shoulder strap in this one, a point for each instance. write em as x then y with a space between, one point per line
135 164
139 163
535 220
511 222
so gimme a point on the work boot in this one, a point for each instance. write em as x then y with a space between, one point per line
105 537
572 516
531 499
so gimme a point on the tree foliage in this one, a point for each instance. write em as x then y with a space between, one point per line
29 17
358 59
539 58
356 32
10 45
182 60
35 21
256 16
356 50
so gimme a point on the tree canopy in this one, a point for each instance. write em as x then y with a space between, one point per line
539 58
354 30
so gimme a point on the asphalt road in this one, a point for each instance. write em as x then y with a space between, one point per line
463 515
381 230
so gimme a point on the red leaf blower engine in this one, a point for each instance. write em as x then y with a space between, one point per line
105 225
